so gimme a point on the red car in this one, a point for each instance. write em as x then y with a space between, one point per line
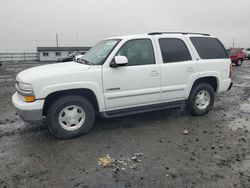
236 55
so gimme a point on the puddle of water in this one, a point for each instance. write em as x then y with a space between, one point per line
246 163
245 108
241 85
244 166
245 77
244 121
239 123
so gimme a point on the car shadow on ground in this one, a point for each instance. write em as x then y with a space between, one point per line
109 124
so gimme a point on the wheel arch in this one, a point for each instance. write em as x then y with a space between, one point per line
211 80
87 93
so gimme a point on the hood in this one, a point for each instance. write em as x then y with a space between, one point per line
50 71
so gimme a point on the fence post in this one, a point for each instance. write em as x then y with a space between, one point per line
24 56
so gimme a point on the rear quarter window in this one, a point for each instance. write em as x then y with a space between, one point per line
209 48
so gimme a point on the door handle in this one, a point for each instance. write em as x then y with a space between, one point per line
154 73
190 69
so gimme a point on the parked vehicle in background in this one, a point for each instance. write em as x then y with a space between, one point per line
78 57
125 75
247 53
70 57
236 55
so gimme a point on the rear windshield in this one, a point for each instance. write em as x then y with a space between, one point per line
231 52
209 48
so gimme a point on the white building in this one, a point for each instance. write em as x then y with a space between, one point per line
54 53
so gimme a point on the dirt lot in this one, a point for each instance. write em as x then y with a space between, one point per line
215 153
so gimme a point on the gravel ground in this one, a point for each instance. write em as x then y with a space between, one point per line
215 152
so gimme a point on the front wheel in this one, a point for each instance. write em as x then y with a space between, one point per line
201 99
70 116
239 62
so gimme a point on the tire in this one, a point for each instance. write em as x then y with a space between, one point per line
239 62
201 99
70 116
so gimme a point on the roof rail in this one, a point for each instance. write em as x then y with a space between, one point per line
183 33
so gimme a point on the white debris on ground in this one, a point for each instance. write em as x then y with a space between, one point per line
123 163
105 161
185 132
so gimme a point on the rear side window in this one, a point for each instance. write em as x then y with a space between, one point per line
174 50
209 48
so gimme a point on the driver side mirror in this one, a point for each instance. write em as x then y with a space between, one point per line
119 61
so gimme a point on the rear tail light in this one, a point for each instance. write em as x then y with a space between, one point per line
230 73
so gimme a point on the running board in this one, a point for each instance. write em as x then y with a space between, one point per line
141 109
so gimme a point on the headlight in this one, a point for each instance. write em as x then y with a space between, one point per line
25 91
25 86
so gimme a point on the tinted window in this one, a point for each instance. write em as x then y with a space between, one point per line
209 48
138 52
174 50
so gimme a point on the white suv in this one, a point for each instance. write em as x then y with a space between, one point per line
122 76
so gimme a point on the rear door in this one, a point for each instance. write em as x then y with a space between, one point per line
177 66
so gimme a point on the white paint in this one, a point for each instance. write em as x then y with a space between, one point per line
127 86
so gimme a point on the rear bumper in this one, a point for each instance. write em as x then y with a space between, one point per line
224 85
230 86
30 112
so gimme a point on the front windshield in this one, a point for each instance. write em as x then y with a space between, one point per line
98 54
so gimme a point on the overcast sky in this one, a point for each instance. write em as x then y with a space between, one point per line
26 24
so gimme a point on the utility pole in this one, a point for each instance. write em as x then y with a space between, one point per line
57 40
233 41
76 38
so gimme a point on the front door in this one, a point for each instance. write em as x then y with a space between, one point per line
136 83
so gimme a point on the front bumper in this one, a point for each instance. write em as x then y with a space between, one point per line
30 112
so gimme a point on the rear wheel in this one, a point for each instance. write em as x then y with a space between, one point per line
70 116
201 99
239 62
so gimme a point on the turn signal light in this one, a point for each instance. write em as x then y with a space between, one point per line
29 98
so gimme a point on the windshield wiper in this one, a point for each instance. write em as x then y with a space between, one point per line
84 61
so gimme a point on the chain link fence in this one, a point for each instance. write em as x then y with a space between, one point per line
15 57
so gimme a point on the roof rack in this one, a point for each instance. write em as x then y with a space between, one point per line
183 33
